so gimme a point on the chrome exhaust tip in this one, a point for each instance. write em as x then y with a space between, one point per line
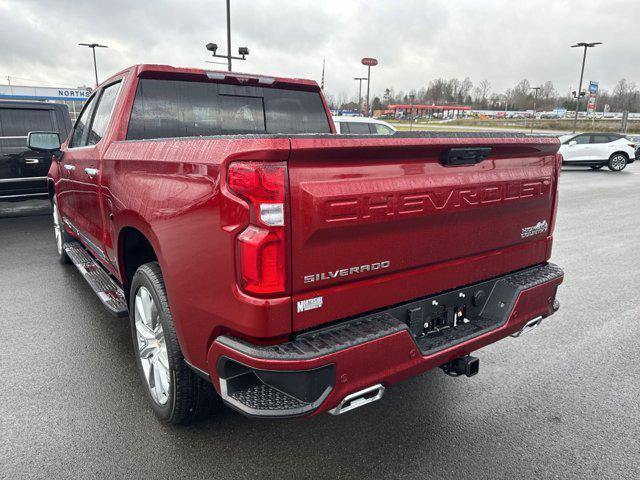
359 399
530 325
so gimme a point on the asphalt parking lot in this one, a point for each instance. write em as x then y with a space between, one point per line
560 402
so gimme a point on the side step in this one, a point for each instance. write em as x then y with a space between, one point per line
108 291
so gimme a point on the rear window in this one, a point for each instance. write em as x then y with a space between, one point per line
174 108
16 122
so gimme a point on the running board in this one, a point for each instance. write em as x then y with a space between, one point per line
107 290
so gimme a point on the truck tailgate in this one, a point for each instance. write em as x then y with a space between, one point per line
379 221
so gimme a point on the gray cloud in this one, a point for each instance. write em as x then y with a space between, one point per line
415 41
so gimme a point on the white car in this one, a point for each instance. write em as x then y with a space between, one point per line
596 150
362 126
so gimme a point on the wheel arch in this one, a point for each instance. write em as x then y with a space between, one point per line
619 152
135 248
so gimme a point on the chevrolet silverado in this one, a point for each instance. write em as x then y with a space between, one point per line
294 270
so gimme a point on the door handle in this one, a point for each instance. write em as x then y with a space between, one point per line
69 167
31 161
92 172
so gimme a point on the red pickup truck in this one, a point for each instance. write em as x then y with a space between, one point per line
294 270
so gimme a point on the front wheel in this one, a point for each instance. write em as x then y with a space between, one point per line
177 395
617 162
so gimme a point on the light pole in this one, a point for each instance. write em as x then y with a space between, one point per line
537 89
359 80
93 47
585 45
212 47
369 62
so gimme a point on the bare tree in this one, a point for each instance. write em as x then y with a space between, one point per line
464 93
481 92
548 95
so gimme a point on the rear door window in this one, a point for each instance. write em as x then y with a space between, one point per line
361 128
176 108
600 139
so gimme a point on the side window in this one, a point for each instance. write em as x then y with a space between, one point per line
599 139
360 128
103 113
80 128
383 129
344 127
582 139
18 122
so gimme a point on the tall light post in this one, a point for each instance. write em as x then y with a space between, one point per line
585 45
93 47
359 80
212 47
537 89
369 62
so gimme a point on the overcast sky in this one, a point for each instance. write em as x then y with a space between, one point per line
414 40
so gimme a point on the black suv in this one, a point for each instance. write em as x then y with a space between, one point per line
23 172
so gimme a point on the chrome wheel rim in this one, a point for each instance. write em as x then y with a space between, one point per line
57 228
618 162
152 347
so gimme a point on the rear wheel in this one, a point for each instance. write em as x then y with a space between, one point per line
596 167
617 162
60 234
177 395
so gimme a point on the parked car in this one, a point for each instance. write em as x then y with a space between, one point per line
295 273
362 126
23 172
596 150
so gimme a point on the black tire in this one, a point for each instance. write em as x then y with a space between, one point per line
617 162
189 397
60 234
596 167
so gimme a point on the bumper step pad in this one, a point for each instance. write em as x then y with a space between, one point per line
264 397
108 291
262 393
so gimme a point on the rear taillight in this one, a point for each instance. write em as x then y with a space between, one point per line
261 247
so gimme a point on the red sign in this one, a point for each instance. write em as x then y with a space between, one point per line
370 62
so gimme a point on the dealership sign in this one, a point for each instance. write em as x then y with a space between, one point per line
369 62
593 93
17 92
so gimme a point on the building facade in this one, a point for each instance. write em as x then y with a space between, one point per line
73 98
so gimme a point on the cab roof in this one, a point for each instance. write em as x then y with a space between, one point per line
167 71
